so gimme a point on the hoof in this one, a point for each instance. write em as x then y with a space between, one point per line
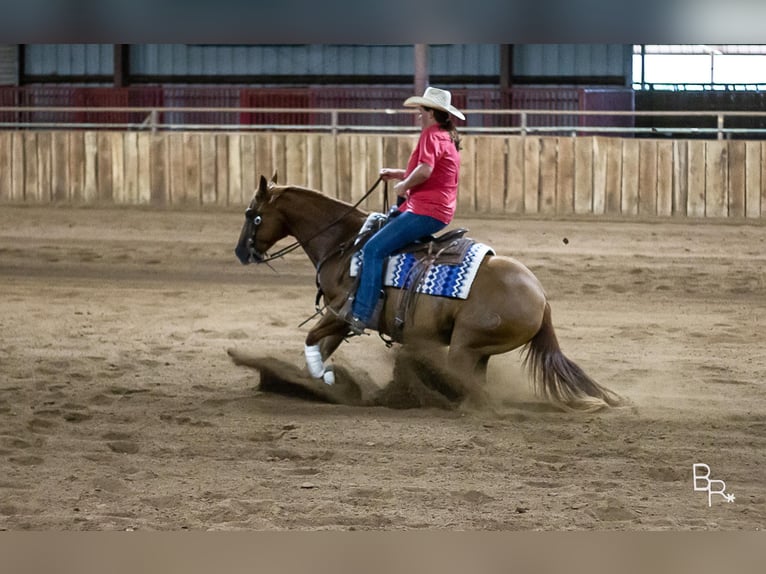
329 376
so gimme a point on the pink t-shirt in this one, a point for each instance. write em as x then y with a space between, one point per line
437 196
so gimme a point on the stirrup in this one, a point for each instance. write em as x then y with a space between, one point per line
355 325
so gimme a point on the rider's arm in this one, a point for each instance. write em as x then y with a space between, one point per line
388 173
418 176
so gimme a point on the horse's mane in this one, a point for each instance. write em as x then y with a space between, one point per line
278 190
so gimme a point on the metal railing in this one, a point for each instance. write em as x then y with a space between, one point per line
499 121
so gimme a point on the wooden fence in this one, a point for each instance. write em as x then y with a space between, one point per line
500 174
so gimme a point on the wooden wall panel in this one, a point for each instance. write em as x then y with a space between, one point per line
118 167
613 176
680 177
647 177
77 166
176 167
736 174
314 161
630 177
329 153
583 177
499 174
664 178
565 176
104 177
152 169
697 173
599 175
278 157
498 182
514 193
344 168
156 172
44 142
192 169
296 166
490 174
6 166
359 167
208 169
130 179
222 169
31 175
391 153
763 179
466 199
716 178
235 196
374 162
18 178
248 174
60 182
532 146
483 175
548 174
263 164
753 181
390 159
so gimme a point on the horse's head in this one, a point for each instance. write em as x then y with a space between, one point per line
264 224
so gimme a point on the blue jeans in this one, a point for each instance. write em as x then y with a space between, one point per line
395 234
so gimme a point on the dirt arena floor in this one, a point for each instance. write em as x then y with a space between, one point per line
120 408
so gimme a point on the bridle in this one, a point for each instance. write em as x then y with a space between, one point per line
255 219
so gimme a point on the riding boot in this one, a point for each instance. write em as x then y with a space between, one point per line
346 314
357 325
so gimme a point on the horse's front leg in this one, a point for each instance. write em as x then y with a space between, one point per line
321 342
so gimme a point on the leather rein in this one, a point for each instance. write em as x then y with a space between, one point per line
250 214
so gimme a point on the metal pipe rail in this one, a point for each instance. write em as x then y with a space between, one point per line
153 120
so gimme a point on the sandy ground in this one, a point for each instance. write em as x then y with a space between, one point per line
121 410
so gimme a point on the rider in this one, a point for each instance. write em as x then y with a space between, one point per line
427 189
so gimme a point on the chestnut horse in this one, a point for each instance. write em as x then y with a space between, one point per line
506 308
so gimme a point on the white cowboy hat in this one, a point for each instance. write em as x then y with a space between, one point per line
437 99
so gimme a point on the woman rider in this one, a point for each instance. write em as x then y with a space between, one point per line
428 187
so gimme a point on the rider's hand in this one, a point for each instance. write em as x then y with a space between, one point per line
387 173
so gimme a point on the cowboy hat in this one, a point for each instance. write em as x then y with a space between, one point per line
435 98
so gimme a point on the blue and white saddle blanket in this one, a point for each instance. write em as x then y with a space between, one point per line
442 280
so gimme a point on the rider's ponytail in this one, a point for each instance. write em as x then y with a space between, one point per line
444 119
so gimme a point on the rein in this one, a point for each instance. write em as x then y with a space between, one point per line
296 244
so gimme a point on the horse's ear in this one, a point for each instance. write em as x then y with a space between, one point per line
274 178
263 190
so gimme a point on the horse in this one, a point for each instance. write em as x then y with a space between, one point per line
506 308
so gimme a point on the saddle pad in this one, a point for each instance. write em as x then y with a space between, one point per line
442 280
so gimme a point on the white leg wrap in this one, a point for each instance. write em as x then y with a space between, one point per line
314 360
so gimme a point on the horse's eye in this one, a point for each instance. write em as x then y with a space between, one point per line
250 214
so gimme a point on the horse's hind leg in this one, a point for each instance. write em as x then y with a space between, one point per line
469 372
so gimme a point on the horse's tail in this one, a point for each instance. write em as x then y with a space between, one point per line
558 378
